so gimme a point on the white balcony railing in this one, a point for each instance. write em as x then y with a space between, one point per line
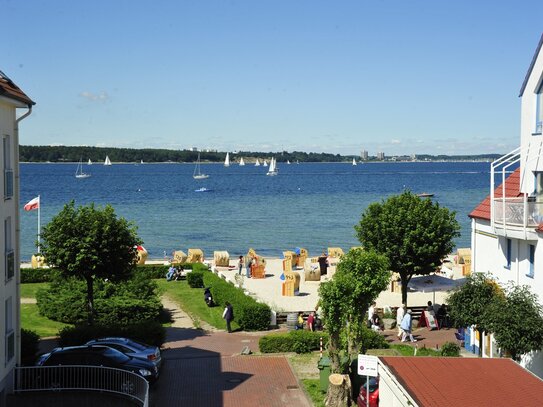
83 378
520 212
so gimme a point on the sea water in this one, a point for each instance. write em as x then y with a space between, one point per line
310 205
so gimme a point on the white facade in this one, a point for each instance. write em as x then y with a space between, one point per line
509 244
391 391
9 231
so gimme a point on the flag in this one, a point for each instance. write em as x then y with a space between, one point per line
32 204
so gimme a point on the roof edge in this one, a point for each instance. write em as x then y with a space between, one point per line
523 87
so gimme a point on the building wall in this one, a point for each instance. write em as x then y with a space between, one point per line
391 392
530 143
9 287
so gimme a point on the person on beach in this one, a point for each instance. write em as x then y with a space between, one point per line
323 263
170 273
228 315
248 269
240 264
400 312
406 327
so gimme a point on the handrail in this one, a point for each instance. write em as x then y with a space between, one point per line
87 378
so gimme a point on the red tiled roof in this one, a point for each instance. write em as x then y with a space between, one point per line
452 382
512 190
10 90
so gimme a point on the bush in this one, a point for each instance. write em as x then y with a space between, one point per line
249 314
150 332
41 275
450 349
125 302
29 347
373 340
195 279
294 341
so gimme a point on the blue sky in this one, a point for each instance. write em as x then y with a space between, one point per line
401 77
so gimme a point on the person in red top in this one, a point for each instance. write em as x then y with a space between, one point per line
311 321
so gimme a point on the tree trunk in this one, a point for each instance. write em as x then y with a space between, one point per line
333 351
405 281
90 301
339 391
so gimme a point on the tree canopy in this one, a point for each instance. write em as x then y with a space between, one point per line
90 242
413 233
361 275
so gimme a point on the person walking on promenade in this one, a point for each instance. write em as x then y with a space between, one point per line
228 315
248 265
371 311
406 327
400 312
240 264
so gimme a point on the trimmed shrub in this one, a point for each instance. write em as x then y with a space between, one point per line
249 314
125 302
150 332
195 279
29 347
41 275
373 340
450 349
294 341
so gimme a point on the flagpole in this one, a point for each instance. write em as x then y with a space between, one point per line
39 209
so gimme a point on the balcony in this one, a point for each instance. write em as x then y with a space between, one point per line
522 212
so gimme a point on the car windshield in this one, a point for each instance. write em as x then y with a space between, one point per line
137 345
373 384
116 355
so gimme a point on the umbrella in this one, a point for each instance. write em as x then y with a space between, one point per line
433 283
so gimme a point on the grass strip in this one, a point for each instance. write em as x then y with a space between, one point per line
32 320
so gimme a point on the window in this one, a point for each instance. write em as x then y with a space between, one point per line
531 258
10 334
9 254
8 171
508 254
539 110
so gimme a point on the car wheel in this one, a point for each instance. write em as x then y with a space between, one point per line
128 387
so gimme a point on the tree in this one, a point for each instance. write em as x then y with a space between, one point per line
361 275
89 243
413 233
475 301
517 326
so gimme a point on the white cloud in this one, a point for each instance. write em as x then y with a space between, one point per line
395 141
93 97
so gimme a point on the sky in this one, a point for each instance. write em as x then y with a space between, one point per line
399 77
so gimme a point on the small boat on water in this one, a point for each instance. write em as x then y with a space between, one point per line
265 163
202 189
89 162
241 162
107 161
273 168
425 195
227 160
354 161
79 171
257 164
197 174
288 162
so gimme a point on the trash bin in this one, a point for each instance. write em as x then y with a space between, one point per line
324 368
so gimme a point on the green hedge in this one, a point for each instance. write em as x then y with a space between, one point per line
249 314
195 279
126 302
150 332
450 349
29 347
42 275
294 341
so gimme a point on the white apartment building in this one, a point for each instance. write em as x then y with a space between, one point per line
11 99
507 227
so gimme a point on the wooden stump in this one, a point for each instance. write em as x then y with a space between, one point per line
339 391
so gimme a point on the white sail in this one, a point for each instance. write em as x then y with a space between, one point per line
273 168
354 161
265 163
241 162
288 161
141 162
79 171
107 161
197 174
227 160
90 162
257 164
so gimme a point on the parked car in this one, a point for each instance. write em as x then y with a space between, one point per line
131 348
373 399
92 355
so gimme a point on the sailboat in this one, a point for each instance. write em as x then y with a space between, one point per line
107 161
89 162
257 164
354 161
273 168
197 174
141 162
241 162
288 161
79 171
265 163
227 160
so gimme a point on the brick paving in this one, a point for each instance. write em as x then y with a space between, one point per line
206 369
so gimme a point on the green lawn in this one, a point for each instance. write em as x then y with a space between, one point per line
31 319
313 388
28 290
191 300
